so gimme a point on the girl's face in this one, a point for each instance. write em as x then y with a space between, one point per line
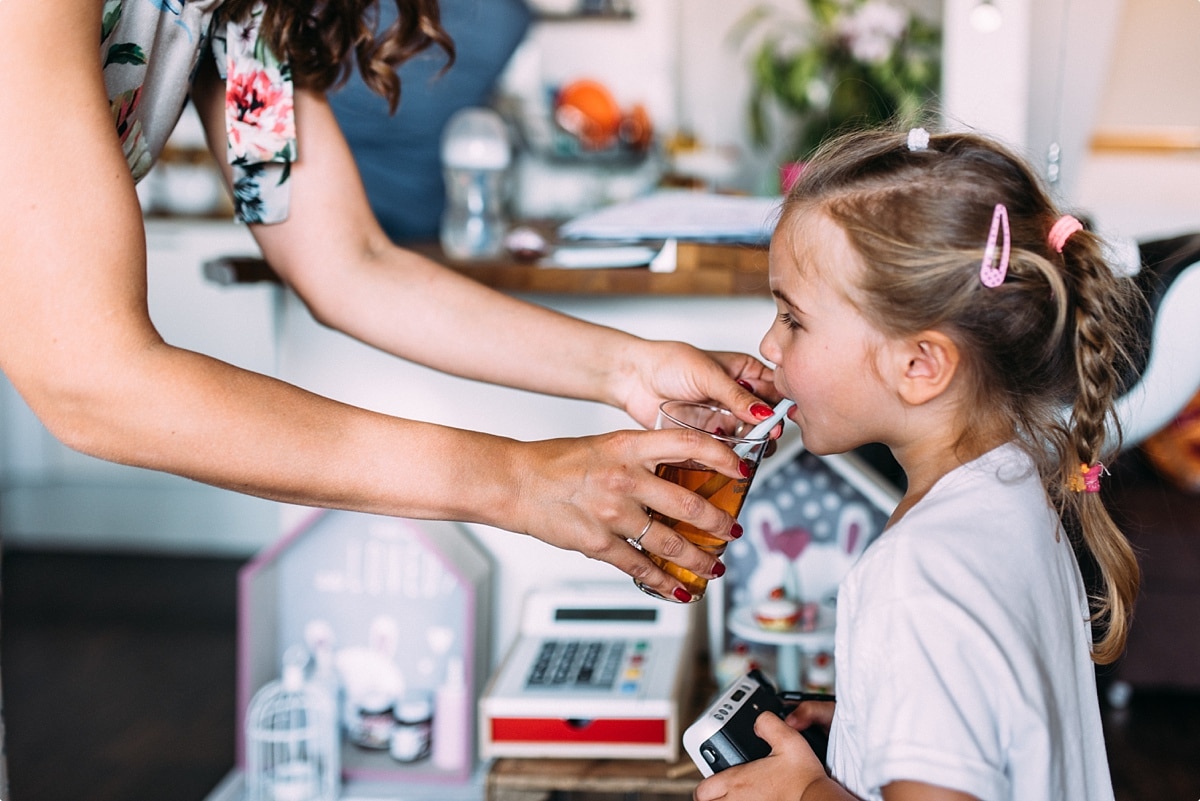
827 355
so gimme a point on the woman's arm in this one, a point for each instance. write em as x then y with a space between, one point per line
75 336
77 342
333 254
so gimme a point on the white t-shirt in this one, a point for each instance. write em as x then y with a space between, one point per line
962 648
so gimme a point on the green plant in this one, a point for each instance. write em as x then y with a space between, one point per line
843 63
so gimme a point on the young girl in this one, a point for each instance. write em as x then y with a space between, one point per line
932 298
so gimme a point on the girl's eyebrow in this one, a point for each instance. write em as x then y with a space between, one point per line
783 297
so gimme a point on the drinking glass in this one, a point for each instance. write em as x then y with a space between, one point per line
719 489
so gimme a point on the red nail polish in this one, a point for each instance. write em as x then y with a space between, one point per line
745 385
736 531
760 410
682 595
744 469
718 570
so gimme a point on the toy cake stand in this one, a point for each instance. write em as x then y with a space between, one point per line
792 643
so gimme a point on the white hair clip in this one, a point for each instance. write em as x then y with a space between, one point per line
918 139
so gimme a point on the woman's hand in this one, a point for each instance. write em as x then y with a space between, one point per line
660 371
591 494
786 774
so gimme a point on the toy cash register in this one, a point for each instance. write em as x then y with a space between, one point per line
597 671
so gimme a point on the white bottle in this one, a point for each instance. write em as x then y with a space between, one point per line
476 155
451 718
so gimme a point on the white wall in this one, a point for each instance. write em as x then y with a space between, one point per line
1153 77
1152 87
986 73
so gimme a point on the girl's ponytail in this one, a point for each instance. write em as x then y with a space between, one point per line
1101 305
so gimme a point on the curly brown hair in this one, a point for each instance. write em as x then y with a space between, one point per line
323 40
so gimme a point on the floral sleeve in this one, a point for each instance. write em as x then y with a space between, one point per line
260 123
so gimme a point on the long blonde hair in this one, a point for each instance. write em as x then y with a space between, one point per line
1058 333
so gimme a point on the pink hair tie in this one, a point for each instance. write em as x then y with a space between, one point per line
1062 230
991 276
1088 479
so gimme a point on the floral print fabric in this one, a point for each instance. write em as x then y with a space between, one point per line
146 103
260 123
151 49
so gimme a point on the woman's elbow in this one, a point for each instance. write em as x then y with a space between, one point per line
83 415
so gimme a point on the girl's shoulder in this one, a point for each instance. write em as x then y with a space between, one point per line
986 517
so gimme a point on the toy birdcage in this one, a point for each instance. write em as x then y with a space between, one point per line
292 748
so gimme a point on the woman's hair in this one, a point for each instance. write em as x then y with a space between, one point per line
1046 352
319 38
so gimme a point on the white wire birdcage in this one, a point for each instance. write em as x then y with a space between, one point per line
292 748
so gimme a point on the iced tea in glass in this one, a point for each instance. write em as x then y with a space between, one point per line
721 491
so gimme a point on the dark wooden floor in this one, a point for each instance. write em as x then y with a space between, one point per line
119 674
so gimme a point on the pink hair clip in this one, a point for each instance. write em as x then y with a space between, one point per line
1062 230
994 276
1088 479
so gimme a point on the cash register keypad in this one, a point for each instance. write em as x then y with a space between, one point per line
588 665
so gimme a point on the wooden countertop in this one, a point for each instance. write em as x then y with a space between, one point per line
536 779
701 269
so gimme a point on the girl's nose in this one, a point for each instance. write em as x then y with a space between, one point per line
768 348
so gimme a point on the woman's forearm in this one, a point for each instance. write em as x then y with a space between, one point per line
407 305
173 410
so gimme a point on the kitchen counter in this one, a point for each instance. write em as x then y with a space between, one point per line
701 269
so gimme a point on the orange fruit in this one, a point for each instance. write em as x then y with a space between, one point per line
588 110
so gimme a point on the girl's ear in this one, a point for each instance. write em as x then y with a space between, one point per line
930 363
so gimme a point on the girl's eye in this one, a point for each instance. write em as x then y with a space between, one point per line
788 321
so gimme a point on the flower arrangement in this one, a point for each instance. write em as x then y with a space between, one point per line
843 63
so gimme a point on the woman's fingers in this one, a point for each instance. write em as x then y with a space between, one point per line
593 495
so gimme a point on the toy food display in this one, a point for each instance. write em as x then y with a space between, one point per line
777 614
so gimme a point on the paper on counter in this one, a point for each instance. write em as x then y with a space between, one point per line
683 215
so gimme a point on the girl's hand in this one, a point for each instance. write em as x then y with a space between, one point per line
783 775
661 371
811 713
591 495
